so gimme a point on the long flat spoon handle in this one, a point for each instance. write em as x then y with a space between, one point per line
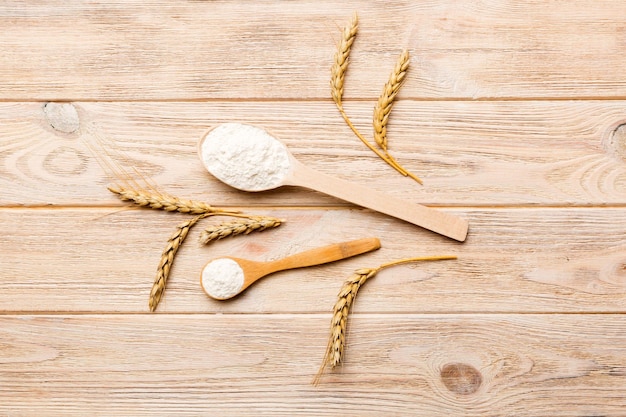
434 220
326 254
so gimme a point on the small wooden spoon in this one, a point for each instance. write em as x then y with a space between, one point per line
215 151
224 278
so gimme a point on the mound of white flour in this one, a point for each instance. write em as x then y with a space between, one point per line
222 278
245 157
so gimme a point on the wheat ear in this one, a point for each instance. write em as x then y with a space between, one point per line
385 103
339 323
340 63
238 227
338 72
167 259
162 201
386 99
337 76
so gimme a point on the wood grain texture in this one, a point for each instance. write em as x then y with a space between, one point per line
513 112
469 153
522 365
514 260
224 49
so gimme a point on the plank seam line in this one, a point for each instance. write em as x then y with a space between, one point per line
122 207
316 314
308 100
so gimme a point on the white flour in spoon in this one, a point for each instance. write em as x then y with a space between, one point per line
245 157
222 278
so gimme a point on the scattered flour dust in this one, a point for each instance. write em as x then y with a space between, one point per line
222 278
245 157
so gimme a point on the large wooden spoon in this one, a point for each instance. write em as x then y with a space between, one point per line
224 278
240 163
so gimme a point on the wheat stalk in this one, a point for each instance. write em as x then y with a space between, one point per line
162 201
337 76
339 321
385 102
338 72
345 299
238 227
167 259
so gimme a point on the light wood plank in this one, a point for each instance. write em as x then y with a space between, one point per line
528 321
514 260
478 153
128 50
557 365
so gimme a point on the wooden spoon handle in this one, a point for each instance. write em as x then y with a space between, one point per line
326 254
437 221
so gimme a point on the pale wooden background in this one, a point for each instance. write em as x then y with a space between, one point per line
513 113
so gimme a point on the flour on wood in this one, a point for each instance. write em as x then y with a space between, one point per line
222 278
245 157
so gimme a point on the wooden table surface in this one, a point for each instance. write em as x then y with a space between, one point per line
513 113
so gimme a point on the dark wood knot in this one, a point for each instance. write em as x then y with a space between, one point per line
461 378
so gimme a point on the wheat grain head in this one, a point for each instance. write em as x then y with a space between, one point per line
162 201
386 99
340 62
238 227
167 259
339 321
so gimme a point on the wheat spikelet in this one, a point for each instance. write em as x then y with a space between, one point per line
383 107
386 99
340 63
161 201
167 259
341 310
238 227
339 322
